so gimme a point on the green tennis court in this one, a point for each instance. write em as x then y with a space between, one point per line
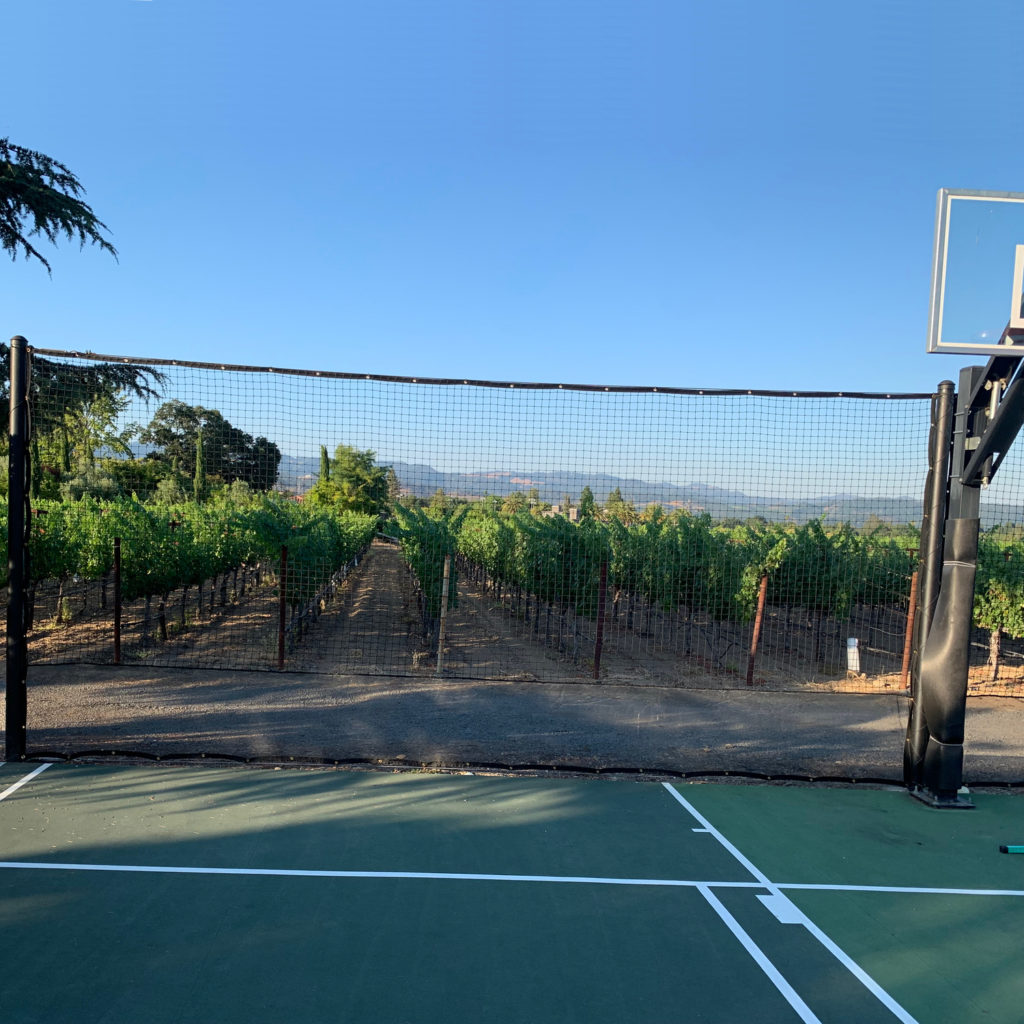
235 894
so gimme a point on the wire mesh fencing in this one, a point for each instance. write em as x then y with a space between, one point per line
191 518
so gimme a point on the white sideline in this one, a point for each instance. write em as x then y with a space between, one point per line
171 869
21 782
678 883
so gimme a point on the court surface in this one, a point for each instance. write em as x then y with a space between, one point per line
188 893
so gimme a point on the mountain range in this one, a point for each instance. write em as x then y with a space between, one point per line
298 474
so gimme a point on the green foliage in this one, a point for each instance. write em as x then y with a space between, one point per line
177 430
547 556
165 546
587 505
142 476
90 480
618 508
354 483
426 538
999 586
74 408
321 542
685 561
199 473
820 570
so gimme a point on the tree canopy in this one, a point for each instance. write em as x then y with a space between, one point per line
39 196
355 483
178 431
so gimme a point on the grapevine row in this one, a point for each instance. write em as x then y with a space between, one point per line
168 547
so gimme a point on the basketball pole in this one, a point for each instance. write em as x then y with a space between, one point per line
989 414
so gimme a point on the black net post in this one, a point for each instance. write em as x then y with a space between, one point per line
18 519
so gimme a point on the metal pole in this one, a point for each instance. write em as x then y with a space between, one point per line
18 519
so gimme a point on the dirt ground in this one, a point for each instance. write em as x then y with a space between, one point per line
361 685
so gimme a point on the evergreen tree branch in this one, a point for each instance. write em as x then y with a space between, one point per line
39 196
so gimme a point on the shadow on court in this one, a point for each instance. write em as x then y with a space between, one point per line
171 893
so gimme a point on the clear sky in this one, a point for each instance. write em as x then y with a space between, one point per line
723 193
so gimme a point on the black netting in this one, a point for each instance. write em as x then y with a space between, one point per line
210 544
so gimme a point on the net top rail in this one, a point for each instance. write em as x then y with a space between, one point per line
459 381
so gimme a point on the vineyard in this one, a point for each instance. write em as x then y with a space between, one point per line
714 594
180 517
670 599
181 563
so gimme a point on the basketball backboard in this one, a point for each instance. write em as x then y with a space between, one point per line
977 302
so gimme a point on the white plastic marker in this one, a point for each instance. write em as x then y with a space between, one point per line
21 782
785 910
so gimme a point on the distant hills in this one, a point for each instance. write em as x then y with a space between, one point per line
299 474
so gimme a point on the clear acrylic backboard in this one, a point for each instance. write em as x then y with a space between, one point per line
977 299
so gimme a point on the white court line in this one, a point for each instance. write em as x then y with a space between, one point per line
756 872
861 975
923 890
803 1011
678 883
169 869
21 782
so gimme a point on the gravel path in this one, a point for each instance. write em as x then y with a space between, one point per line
313 716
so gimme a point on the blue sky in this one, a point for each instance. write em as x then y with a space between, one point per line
705 194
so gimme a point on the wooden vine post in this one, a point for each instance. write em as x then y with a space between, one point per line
443 623
117 600
282 606
758 620
602 597
908 639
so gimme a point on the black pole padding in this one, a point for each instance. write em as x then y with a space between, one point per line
933 519
18 520
934 753
933 525
945 662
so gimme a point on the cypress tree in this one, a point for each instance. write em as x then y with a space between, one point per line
199 479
